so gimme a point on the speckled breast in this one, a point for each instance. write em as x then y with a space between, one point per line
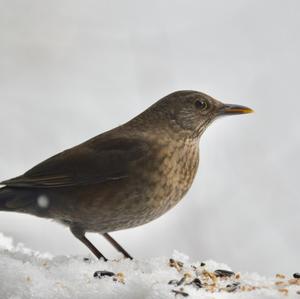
162 183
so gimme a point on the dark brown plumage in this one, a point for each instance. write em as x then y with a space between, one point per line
124 177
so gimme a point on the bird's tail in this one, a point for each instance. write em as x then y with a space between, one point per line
5 195
12 199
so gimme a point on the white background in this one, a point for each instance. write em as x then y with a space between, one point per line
70 70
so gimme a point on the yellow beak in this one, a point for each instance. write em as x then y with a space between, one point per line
229 109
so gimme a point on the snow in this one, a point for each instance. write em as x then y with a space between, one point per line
25 273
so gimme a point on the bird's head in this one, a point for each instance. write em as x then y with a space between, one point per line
190 112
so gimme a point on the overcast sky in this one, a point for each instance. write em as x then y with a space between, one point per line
70 70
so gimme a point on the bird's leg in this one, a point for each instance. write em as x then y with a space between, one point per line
80 235
114 243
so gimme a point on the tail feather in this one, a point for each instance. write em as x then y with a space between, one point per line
14 199
5 196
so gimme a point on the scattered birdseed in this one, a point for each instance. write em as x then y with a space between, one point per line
100 274
210 275
182 281
283 291
217 281
232 287
247 288
295 281
222 280
224 273
197 283
119 277
280 283
184 294
185 277
176 264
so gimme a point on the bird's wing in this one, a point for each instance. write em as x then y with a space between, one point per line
93 162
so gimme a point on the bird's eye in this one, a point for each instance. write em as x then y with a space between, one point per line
201 105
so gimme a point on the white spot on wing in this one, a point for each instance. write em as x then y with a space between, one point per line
43 201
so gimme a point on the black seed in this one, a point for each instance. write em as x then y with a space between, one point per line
202 264
197 282
87 259
223 273
173 282
184 294
296 275
100 274
181 281
232 287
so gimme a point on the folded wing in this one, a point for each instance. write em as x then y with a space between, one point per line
93 162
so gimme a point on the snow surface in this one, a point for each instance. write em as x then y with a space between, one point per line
25 273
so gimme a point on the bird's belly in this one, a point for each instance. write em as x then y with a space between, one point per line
137 208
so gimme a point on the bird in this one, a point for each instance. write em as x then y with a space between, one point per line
122 178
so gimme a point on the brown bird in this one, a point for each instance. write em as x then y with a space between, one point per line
122 178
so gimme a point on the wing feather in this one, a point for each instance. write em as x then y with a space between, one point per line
96 161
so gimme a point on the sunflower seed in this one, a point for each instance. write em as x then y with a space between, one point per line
184 294
223 273
100 274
